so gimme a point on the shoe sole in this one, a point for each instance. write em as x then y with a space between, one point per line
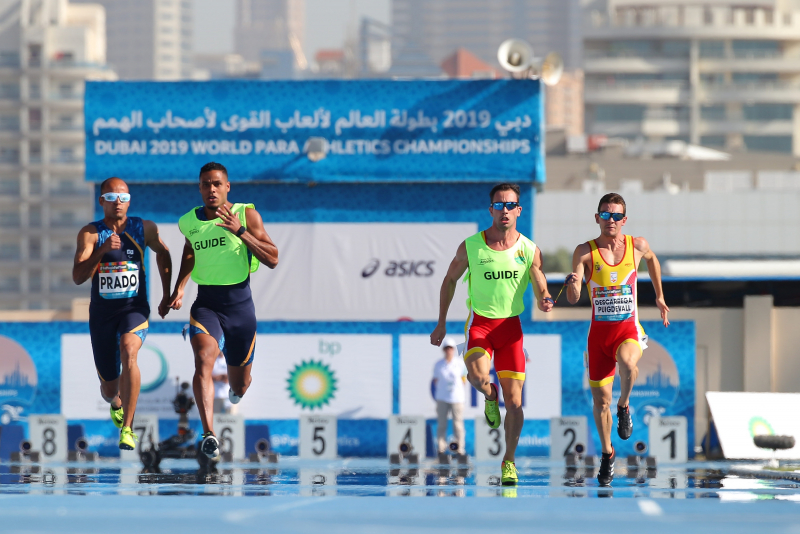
509 483
213 455
126 447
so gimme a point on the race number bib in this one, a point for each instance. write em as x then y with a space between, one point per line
614 303
119 280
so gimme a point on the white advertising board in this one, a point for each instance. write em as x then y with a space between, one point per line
668 439
542 392
741 416
490 443
48 435
318 437
346 375
407 429
566 433
162 359
344 272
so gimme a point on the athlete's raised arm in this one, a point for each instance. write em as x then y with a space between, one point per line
580 257
164 261
187 264
654 268
86 257
457 268
543 299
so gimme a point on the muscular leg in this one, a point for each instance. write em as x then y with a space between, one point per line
601 398
205 349
131 379
478 367
512 397
239 379
110 392
628 355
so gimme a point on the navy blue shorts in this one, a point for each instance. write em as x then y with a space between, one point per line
106 329
232 325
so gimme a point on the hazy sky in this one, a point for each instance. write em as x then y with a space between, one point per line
327 23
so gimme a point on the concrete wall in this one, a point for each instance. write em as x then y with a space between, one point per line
755 348
695 223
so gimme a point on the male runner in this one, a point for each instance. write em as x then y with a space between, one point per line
608 264
224 243
501 262
111 253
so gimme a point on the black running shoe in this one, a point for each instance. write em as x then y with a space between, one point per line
624 422
606 473
210 446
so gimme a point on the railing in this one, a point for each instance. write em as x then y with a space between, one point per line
750 86
654 84
72 64
65 96
66 159
58 127
630 54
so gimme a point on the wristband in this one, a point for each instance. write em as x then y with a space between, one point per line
240 232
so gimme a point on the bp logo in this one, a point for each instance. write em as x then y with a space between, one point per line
760 427
312 384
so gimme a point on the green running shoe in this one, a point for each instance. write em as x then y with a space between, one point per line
126 439
116 416
491 410
509 474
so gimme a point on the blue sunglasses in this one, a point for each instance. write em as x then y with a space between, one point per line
508 205
606 215
112 197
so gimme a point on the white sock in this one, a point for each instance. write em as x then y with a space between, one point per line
233 397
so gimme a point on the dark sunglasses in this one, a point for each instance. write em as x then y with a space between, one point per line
606 215
508 205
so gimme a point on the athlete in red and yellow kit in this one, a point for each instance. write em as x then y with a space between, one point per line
501 262
608 267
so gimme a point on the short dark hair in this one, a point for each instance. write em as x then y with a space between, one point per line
505 186
613 198
213 166
104 183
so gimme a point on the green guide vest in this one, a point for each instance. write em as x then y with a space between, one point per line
498 279
220 258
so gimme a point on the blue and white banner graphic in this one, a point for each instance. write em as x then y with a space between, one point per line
374 130
360 372
346 272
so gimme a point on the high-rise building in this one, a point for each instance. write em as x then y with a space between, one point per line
48 48
270 26
149 39
431 30
724 74
564 103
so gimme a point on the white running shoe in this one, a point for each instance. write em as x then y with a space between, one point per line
233 397
210 446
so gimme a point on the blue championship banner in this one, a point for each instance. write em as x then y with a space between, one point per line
424 131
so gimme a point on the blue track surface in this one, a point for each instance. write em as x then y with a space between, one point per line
343 496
